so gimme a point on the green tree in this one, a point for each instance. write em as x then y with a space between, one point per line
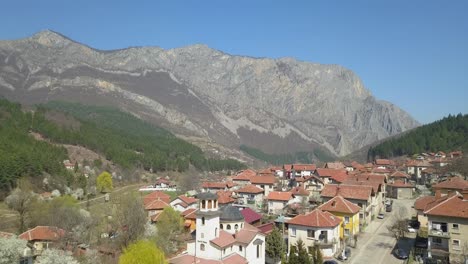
317 256
301 257
142 252
169 230
275 245
22 200
104 182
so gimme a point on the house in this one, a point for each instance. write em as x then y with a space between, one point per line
440 154
250 216
267 183
326 174
156 195
416 167
334 165
154 209
455 154
347 212
301 193
439 163
277 201
452 184
217 186
383 163
312 183
302 170
287 171
250 194
360 195
315 228
182 203
377 182
243 177
448 228
398 175
68 165
400 189
190 218
222 236
226 197
42 237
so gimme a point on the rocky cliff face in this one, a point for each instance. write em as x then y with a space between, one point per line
277 105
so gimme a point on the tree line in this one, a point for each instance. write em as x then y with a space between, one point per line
447 134
287 158
122 138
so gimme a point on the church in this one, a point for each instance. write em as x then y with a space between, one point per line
222 236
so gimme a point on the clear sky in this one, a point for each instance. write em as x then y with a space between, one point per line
411 53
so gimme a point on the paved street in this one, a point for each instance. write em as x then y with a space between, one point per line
376 243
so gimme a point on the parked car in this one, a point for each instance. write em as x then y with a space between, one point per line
345 254
330 262
388 208
411 230
400 253
380 216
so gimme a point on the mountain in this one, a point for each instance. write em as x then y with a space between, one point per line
273 105
447 134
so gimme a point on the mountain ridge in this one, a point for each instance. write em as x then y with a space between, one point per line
233 100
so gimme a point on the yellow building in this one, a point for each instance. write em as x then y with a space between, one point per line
347 211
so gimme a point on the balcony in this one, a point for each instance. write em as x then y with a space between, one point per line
325 243
439 233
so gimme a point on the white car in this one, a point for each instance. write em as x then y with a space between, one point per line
411 230
380 216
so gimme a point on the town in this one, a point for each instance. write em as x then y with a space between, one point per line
407 210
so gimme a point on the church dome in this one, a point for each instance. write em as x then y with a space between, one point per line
231 213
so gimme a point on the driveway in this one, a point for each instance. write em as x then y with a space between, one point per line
376 243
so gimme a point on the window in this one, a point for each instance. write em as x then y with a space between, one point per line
455 226
437 240
258 251
203 220
456 243
228 227
346 219
310 233
203 204
360 205
221 226
224 251
236 226
346 232
293 231
270 204
240 248
216 232
202 247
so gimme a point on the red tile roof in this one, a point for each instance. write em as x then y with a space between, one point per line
334 165
399 174
287 167
357 165
156 195
188 200
156 205
188 259
299 190
190 213
214 185
43 233
280 196
249 188
244 175
316 218
454 183
224 197
356 192
453 206
266 228
235 259
269 180
250 215
340 176
323 172
304 167
224 239
340 205
421 203
401 184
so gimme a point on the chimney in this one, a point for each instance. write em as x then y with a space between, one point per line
437 194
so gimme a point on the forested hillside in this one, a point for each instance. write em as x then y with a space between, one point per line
21 154
447 134
129 141
124 139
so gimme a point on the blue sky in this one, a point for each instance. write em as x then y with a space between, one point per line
411 53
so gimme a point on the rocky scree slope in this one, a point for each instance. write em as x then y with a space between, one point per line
276 105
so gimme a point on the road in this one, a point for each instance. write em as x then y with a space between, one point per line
377 243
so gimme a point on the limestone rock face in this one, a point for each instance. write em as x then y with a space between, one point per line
277 105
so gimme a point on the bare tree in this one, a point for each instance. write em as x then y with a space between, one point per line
130 219
22 200
399 227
